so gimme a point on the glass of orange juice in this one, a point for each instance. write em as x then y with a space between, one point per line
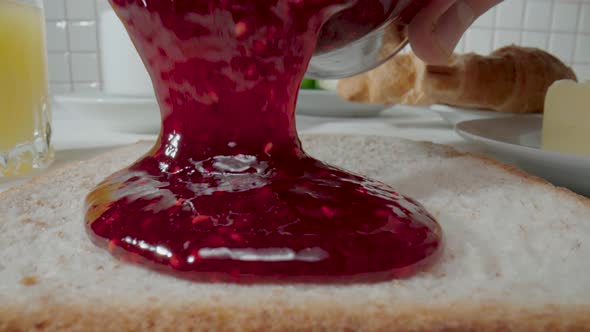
25 114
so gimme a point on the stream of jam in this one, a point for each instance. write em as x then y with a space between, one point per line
227 193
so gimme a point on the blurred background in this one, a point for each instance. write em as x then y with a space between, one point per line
105 98
560 26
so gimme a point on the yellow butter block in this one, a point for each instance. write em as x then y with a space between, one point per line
566 123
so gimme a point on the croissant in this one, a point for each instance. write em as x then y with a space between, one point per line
511 79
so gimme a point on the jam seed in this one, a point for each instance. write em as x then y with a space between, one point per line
327 211
236 237
241 29
267 148
259 45
112 246
213 96
175 262
383 213
200 218
251 70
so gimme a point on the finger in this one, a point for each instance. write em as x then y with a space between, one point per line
421 31
456 20
436 30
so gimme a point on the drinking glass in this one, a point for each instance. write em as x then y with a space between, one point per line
25 115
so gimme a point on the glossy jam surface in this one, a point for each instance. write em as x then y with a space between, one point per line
227 193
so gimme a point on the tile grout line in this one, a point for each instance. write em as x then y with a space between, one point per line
494 30
98 48
522 19
577 35
551 24
68 52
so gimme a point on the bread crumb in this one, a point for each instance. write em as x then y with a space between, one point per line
61 234
151 323
565 225
277 292
37 223
29 280
45 300
41 325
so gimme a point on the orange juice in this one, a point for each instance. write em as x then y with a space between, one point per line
24 107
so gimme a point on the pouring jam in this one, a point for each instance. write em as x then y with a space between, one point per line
227 193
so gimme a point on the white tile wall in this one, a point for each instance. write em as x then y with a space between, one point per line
582 70
562 11
562 44
82 36
80 9
585 18
72 45
560 26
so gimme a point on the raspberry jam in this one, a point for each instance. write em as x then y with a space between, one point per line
227 193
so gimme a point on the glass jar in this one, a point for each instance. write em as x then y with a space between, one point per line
25 115
362 37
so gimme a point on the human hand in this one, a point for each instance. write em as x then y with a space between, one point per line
436 30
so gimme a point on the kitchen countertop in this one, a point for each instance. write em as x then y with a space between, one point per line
77 139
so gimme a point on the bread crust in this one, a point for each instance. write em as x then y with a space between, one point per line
279 316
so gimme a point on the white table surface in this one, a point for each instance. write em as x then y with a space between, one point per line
77 139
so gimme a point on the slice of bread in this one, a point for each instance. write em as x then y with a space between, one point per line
516 257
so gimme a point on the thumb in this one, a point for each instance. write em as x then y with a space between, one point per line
436 30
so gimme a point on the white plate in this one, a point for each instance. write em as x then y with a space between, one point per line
328 103
455 115
118 113
518 140
141 114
